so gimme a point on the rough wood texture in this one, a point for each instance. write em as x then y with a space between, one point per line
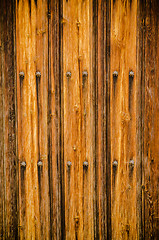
123 119
79 123
78 112
8 165
54 120
151 121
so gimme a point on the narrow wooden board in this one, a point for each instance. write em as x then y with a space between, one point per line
123 119
151 122
54 120
41 63
29 218
87 120
71 119
8 196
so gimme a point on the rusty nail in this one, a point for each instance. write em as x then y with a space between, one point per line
68 74
85 164
131 74
131 164
84 74
40 164
69 164
38 74
21 75
23 164
115 163
115 74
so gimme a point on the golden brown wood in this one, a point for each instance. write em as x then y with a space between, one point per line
41 61
123 119
86 178
79 123
28 120
78 131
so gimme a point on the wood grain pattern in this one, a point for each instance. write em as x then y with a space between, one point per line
123 119
1 131
78 128
27 121
151 122
9 217
54 120
79 123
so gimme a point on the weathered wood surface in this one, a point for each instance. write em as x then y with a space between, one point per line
8 126
151 122
123 119
79 123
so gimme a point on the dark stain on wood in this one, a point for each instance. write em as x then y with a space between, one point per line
130 90
23 198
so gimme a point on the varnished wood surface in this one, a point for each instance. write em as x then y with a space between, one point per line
79 123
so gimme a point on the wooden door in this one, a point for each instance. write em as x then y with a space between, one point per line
79 123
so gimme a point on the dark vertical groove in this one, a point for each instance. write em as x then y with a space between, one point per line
35 2
23 201
29 7
61 121
16 122
1 131
94 115
108 137
96 212
143 15
130 91
49 125
9 97
140 111
38 107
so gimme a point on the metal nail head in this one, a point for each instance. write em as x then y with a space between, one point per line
115 74
84 74
40 163
69 164
23 164
85 164
115 163
68 74
131 164
131 74
38 74
21 75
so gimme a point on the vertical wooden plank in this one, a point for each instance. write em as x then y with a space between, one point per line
151 122
71 117
123 118
8 101
94 97
78 118
27 120
101 121
139 114
1 130
55 120
41 61
103 150
86 81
